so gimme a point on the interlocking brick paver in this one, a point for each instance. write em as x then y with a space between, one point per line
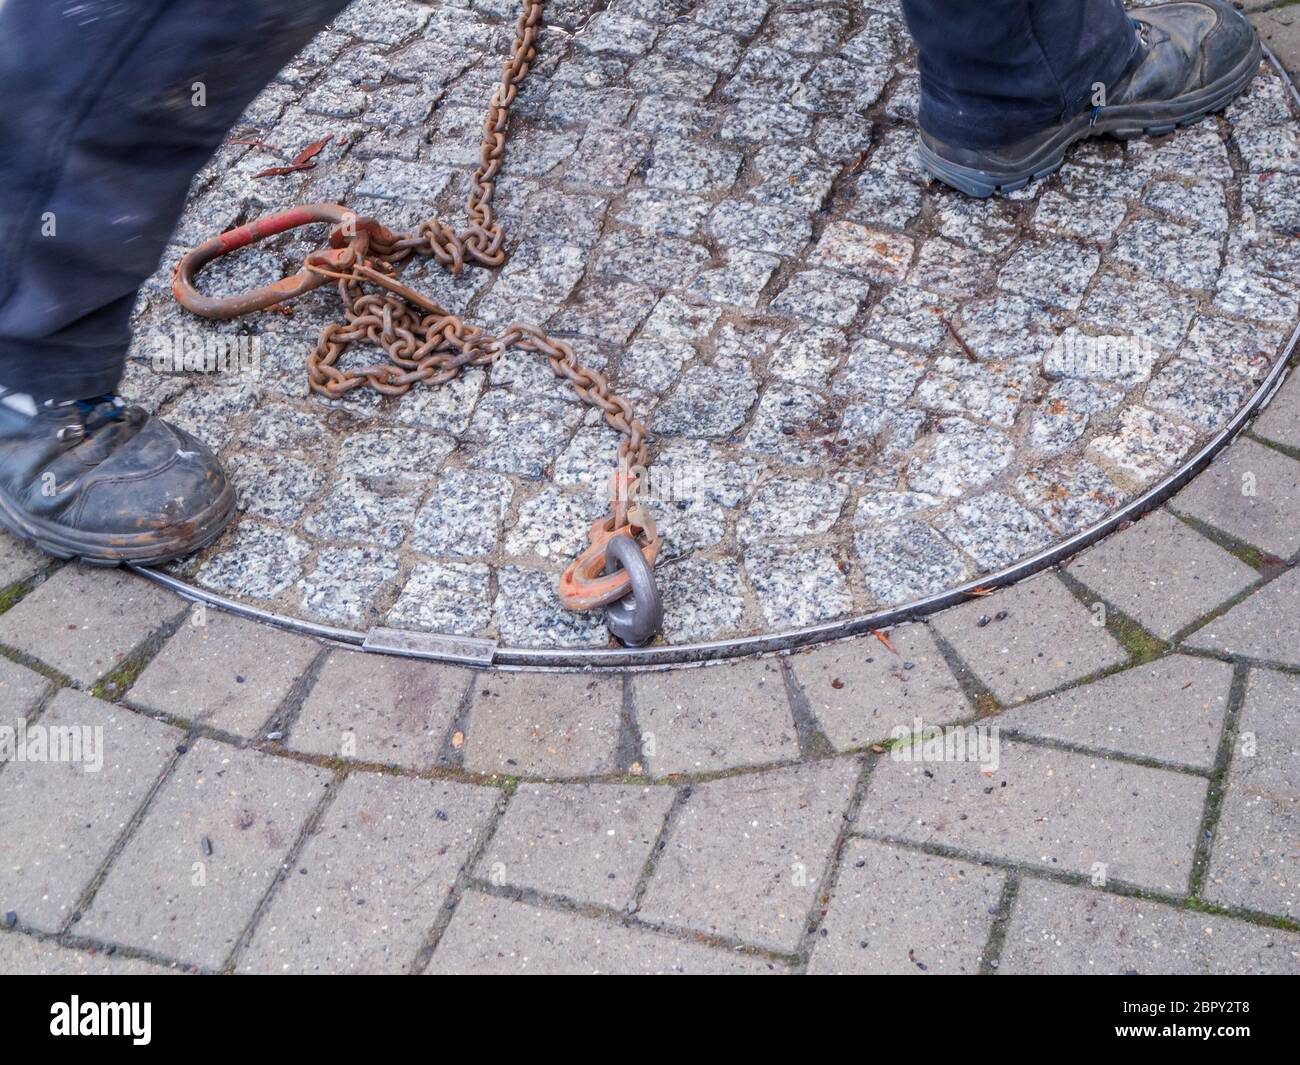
1045 639
588 842
21 691
858 690
1171 709
215 836
1281 32
60 819
227 672
1251 492
18 560
1066 812
900 912
696 720
1254 862
22 955
1278 422
85 621
544 724
1059 929
1162 574
747 853
368 885
377 708
490 935
1266 624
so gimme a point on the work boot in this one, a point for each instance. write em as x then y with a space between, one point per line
1194 58
98 480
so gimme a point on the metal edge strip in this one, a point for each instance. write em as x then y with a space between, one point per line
699 653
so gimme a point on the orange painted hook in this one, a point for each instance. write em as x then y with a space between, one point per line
347 249
585 585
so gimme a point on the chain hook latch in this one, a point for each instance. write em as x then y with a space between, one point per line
349 243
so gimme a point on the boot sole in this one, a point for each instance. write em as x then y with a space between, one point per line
142 549
1136 120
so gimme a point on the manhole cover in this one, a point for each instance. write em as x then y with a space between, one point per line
865 389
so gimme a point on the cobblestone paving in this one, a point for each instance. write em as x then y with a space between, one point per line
850 373
261 802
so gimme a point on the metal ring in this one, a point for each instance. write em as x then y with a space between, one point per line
638 616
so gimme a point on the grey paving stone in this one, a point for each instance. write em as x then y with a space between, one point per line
18 560
165 892
22 955
714 717
588 842
530 615
1264 625
490 935
1055 272
225 672
445 597
367 886
747 853
858 690
860 251
1280 422
277 488
21 691
963 457
906 560
994 530
901 912
257 561
544 724
84 622
60 819
1171 709
1254 863
1198 395
1251 492
796 587
1047 639
1143 447
1055 929
342 587
380 708
1162 574
1057 810
463 514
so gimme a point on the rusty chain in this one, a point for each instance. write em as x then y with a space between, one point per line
426 344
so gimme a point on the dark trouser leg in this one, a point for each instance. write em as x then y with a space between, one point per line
101 137
997 71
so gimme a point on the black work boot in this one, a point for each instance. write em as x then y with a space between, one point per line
1194 58
98 480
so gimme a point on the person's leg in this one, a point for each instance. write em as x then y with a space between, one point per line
111 107
1008 85
996 71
